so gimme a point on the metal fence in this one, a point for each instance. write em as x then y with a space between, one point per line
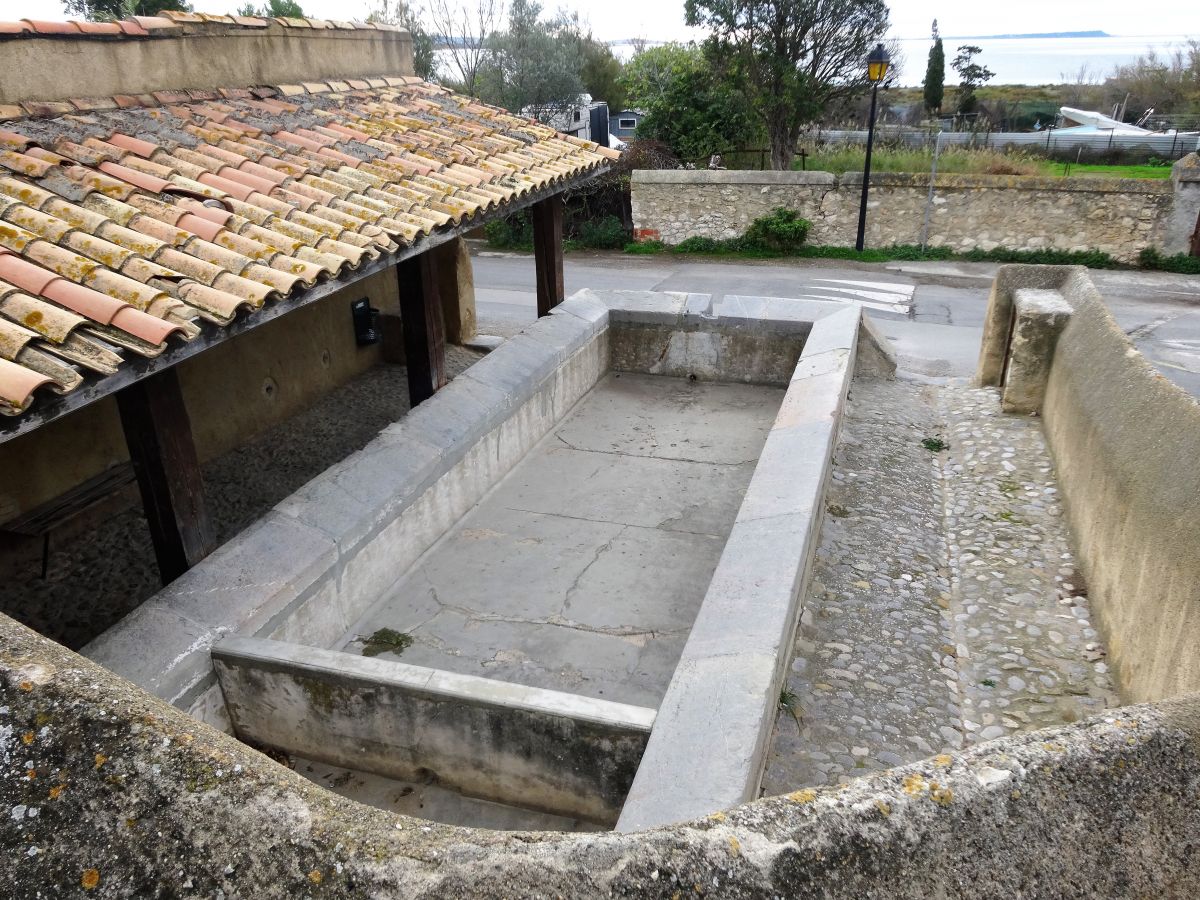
1047 142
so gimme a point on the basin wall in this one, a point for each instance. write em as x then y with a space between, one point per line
309 569
510 743
313 565
1125 441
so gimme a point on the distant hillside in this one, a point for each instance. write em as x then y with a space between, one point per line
1048 34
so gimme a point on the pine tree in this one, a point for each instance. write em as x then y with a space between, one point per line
935 74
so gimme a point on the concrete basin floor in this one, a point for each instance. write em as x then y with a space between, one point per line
583 569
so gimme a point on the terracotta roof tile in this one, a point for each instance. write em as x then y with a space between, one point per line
128 26
133 222
97 27
53 27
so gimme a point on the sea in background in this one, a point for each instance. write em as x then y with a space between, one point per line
1024 60
1040 60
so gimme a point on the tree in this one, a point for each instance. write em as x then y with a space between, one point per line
463 30
408 16
600 73
792 57
971 75
110 10
273 9
935 74
534 64
1168 82
686 108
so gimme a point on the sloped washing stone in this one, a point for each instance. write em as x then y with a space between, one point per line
584 305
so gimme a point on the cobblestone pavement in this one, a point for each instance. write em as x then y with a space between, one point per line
945 608
97 577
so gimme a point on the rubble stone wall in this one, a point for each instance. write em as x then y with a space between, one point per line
1118 216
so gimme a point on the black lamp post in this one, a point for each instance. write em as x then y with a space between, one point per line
877 67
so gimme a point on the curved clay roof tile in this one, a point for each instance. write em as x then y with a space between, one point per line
17 385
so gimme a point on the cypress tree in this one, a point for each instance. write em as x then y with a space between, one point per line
935 74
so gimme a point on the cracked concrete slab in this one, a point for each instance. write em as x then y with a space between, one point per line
584 568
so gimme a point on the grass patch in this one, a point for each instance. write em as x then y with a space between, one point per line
968 161
952 160
934 445
1087 170
386 640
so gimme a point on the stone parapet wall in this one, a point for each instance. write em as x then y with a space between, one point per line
1118 216
1124 441
111 793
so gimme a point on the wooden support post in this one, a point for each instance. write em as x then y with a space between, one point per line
547 216
159 436
424 332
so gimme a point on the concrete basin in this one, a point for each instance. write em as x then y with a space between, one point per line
551 583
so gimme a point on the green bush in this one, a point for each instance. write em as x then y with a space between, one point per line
512 233
701 245
1181 263
783 231
1093 259
603 234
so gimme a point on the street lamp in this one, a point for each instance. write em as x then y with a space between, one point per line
877 67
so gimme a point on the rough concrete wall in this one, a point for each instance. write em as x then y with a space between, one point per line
539 749
1118 216
1125 441
233 391
107 792
197 57
1185 216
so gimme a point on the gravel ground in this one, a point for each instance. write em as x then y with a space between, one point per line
944 609
98 577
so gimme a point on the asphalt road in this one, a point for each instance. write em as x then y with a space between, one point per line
932 312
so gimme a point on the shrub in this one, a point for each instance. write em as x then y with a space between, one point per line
1181 263
1093 259
512 233
603 234
783 231
700 244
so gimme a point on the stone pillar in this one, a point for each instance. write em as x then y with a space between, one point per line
1040 317
1181 224
456 286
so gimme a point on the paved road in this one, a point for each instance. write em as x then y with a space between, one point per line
933 312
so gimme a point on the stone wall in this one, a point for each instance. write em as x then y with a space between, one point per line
204 56
1117 216
1124 441
108 792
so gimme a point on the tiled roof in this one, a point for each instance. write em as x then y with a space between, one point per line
133 222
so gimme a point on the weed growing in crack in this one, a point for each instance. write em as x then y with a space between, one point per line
935 444
790 702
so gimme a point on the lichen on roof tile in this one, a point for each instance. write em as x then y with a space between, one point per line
140 218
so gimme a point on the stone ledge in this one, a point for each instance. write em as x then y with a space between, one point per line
706 750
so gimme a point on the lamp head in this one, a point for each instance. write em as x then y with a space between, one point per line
878 63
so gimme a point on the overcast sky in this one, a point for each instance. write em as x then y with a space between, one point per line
663 19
